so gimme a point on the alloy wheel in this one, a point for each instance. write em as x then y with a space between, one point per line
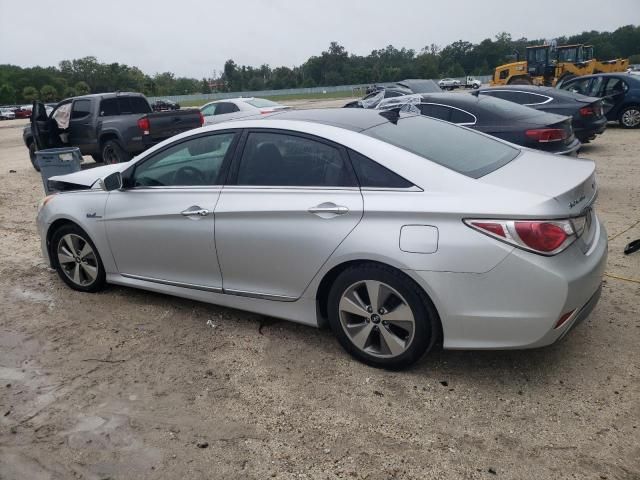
77 260
631 118
376 318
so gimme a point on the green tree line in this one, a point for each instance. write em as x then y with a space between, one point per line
335 66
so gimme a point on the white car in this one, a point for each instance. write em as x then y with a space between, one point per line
6 114
449 83
234 108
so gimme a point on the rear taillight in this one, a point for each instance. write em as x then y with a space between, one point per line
542 236
546 237
201 118
546 135
143 124
587 111
265 112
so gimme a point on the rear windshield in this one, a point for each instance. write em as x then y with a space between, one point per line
505 108
124 106
456 148
262 103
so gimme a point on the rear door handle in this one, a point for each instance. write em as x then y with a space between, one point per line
328 207
195 210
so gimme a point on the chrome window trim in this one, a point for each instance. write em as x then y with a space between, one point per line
172 283
287 187
152 188
465 124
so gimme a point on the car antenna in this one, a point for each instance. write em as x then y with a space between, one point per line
476 93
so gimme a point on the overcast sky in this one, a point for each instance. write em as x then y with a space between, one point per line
192 38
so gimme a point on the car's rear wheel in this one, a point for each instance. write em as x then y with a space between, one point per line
77 260
32 156
112 152
630 117
381 317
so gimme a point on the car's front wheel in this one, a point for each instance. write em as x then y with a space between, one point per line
381 316
630 117
77 260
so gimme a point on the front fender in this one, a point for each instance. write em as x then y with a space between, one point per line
85 209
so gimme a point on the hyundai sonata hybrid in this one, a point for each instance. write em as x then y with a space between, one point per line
397 230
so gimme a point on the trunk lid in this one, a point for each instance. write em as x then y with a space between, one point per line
569 182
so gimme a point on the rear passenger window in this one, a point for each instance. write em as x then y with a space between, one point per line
276 159
462 117
373 175
109 107
226 107
436 111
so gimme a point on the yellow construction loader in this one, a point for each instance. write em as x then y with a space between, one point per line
549 65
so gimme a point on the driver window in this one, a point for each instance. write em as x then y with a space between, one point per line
195 162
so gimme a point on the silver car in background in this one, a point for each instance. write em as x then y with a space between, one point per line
236 108
397 230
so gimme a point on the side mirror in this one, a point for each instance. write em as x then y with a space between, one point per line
111 182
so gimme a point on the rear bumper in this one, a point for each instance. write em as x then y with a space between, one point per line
590 130
571 149
518 303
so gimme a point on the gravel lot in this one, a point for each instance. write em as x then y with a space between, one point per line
128 384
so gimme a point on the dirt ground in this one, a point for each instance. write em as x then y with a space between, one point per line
127 384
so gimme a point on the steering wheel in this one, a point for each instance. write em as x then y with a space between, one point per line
189 175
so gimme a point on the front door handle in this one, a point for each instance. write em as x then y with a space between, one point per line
328 208
195 210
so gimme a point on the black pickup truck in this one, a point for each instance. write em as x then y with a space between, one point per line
111 127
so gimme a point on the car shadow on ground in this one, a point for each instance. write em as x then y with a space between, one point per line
299 343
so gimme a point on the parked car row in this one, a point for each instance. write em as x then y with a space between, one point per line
11 112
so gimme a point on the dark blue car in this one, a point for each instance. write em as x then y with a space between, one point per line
620 94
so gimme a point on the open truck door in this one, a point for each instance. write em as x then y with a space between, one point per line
41 126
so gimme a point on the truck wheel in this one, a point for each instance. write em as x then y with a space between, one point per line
520 81
32 156
112 152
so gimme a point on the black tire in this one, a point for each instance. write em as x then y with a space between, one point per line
630 117
32 156
85 283
426 327
521 81
112 152
97 157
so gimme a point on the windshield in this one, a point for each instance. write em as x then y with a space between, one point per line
262 103
457 148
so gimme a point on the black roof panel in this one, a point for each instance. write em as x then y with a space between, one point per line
354 119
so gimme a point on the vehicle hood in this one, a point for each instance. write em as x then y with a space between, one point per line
569 182
86 178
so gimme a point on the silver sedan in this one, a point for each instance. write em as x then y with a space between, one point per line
398 231
236 108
